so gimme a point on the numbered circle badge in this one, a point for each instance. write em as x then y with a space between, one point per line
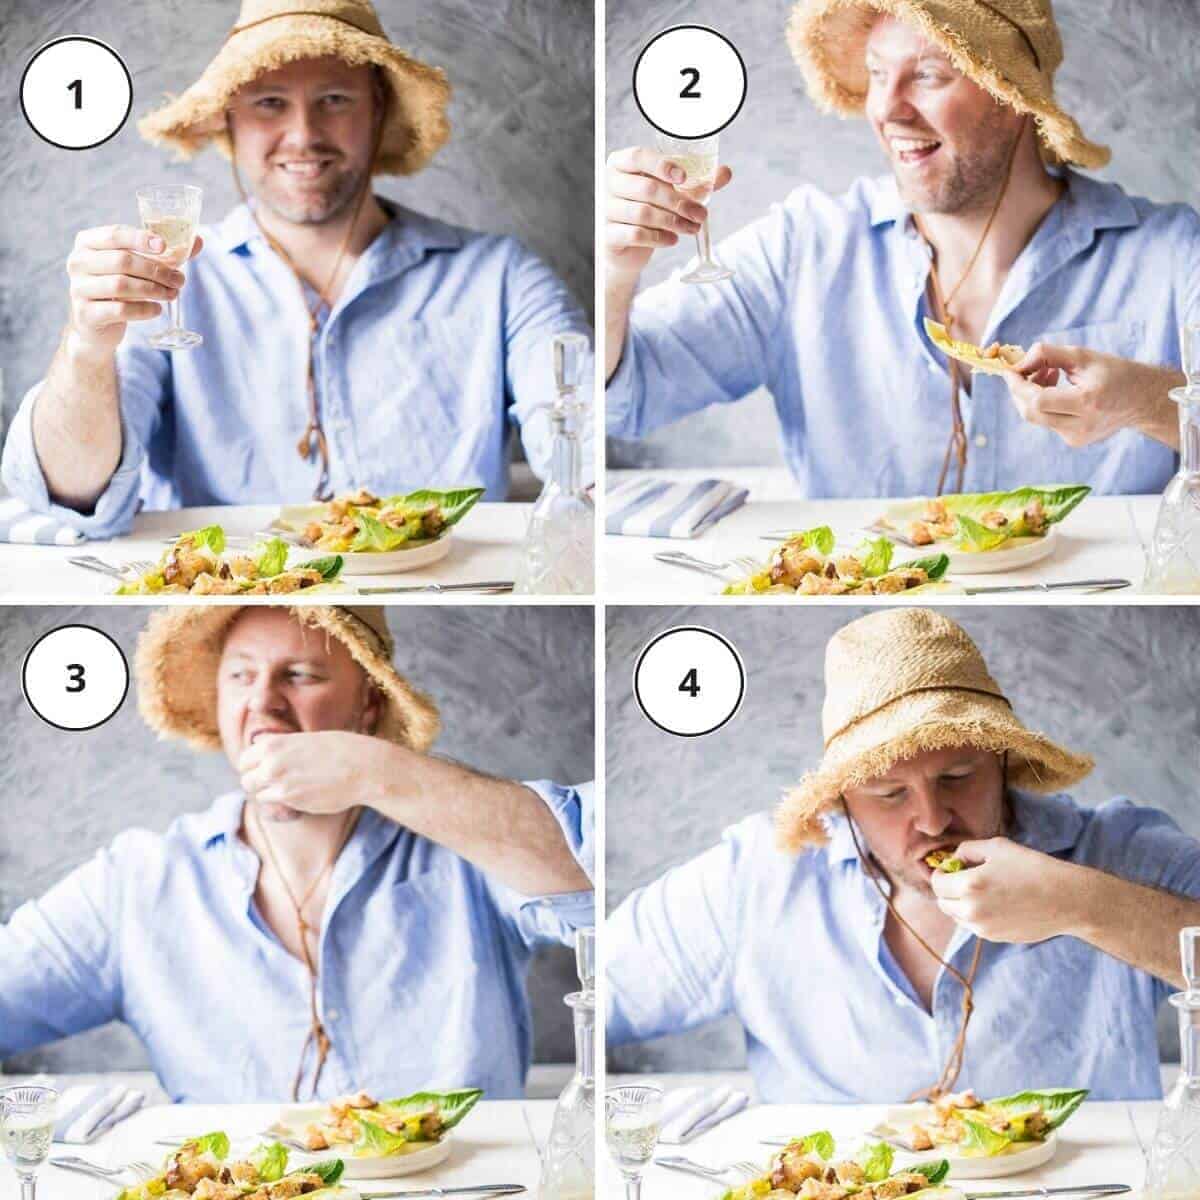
75 677
689 681
76 93
689 81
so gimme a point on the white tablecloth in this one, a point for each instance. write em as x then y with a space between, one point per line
1097 1145
1096 541
486 546
491 1146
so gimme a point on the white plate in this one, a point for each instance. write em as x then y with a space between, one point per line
1021 1156
374 562
293 1119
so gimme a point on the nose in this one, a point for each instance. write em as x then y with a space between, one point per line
301 130
930 816
265 695
887 100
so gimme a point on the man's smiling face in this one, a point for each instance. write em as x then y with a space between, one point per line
278 676
303 137
947 140
932 801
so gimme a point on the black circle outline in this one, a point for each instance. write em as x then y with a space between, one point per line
74 37
695 137
637 695
74 728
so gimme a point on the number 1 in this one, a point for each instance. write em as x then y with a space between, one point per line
77 87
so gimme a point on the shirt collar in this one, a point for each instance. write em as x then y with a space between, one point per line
222 821
1050 824
1088 204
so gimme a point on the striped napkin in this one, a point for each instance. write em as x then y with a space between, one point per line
19 523
87 1111
689 1112
651 507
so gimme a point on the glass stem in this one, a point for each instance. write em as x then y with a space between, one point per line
633 1188
704 243
174 319
28 1187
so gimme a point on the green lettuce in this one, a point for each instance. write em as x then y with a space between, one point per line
1057 502
935 1172
451 1107
329 1169
876 1161
330 567
374 536
875 554
211 536
979 1140
375 1141
271 557
1056 1103
454 504
270 1161
819 1143
216 1144
935 565
974 536
150 1190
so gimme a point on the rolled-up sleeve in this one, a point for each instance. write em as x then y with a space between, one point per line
537 306
550 920
59 965
143 378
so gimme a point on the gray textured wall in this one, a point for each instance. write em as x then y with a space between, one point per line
519 160
63 795
1118 682
1129 78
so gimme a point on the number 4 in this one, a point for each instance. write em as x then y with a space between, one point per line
691 684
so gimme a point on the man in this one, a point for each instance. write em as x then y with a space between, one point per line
846 957
358 915
348 342
983 221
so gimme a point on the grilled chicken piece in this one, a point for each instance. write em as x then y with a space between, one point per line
184 564
965 1099
242 1172
294 581
186 1171
816 1189
849 1173
994 519
849 567
294 1185
920 534
918 1137
794 563
315 1139
1035 516
796 1168
212 585
900 580
818 585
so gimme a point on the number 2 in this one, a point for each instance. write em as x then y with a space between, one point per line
77 87
691 683
689 89
75 675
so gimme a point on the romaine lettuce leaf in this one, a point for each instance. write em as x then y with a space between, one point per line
454 504
820 1143
875 554
271 557
935 565
374 1140
330 566
980 1141
876 1161
974 536
451 1107
1057 1103
329 1169
1056 502
935 1172
270 1161
211 536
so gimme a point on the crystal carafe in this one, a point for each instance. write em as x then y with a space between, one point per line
557 557
1173 558
569 1162
1173 1163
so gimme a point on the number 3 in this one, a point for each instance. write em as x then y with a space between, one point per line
75 675
689 89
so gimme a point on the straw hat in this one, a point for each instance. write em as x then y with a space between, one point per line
179 650
901 682
271 33
1010 48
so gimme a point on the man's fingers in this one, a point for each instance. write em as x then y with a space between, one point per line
641 160
119 237
197 246
724 176
121 287
123 262
100 313
643 190
646 216
630 237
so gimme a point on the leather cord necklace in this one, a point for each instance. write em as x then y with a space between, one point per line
954 1062
317 1036
957 446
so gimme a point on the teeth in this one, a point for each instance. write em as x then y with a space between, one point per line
907 145
303 168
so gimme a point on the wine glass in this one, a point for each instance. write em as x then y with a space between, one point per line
631 1119
172 211
1189 342
698 157
27 1116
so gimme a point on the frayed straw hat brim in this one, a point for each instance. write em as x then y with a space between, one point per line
175 668
417 125
828 40
915 724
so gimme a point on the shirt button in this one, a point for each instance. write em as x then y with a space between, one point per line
334 1015
981 440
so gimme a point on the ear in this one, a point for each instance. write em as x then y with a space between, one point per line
372 711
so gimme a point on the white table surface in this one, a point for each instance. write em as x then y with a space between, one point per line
1096 541
1097 1145
492 1145
486 546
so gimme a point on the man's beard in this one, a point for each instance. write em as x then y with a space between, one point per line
318 208
974 180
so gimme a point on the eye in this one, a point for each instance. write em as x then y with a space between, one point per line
269 104
336 99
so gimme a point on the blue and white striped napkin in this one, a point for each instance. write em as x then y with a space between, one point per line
651 507
19 523
87 1111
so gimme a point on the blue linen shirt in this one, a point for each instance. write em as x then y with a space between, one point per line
794 948
825 310
438 343
423 961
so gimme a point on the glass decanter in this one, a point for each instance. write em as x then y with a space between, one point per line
569 1163
1173 1163
558 554
1173 557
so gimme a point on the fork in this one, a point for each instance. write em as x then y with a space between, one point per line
677 558
677 1162
137 1167
138 566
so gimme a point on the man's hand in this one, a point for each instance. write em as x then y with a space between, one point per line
647 207
114 281
319 773
1085 396
1008 893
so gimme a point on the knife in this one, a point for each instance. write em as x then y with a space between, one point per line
1098 585
493 586
486 1189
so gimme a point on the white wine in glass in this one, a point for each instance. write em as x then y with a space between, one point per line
631 1124
27 1116
698 157
173 212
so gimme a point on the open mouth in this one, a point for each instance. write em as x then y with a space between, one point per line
305 170
912 151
